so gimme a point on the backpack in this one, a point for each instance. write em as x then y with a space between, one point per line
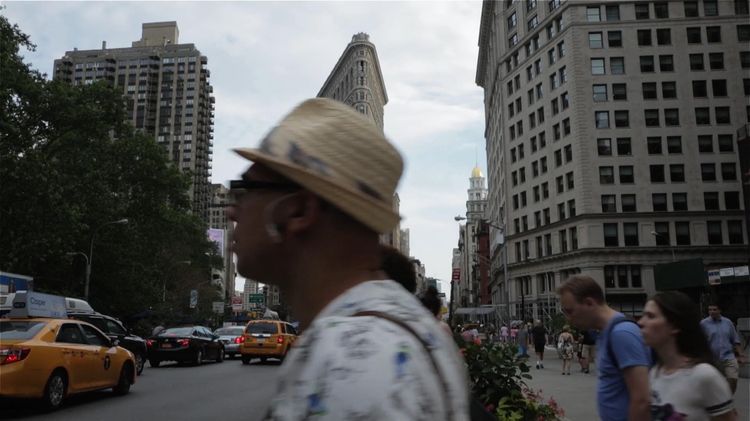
610 352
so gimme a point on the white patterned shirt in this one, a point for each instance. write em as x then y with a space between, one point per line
369 368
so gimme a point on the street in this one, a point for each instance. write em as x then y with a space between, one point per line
231 391
226 391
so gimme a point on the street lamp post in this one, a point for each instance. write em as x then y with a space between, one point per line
164 283
90 259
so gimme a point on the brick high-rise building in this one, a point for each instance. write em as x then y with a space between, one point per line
168 94
610 132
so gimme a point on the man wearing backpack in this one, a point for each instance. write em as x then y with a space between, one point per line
622 359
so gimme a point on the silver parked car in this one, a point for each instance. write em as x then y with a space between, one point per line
231 337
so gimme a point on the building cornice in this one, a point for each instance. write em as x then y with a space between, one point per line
485 27
697 250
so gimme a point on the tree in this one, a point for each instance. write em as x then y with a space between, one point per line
69 162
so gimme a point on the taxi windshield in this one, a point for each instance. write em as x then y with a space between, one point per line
261 328
177 331
19 329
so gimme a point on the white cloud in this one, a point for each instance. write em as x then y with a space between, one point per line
265 57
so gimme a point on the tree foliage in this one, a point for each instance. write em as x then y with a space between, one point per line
69 163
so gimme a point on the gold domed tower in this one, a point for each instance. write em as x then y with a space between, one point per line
477 195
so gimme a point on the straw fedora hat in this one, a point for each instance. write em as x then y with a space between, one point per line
335 152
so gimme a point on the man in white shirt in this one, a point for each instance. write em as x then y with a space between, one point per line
308 216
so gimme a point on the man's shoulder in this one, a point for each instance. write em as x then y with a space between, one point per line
387 331
624 325
625 333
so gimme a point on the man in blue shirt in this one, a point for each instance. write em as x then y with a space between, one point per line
622 357
724 342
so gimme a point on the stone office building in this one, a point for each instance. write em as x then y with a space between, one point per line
610 134
357 80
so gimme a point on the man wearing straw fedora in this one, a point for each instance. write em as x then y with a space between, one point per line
308 216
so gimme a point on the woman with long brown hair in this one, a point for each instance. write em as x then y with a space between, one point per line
684 383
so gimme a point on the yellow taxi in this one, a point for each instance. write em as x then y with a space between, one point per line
267 338
45 355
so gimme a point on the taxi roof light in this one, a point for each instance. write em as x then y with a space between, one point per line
13 355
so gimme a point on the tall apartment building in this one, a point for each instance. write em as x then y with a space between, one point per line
356 80
610 132
169 96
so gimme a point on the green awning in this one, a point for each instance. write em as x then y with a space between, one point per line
677 275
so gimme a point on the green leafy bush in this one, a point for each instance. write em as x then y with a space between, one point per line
497 377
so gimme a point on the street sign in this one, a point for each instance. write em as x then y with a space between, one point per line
193 298
218 307
256 298
714 277
456 274
726 272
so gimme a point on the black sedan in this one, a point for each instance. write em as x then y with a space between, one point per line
186 344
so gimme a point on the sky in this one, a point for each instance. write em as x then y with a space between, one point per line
266 57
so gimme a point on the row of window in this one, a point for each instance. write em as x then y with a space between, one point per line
645 37
654 145
627 276
676 173
628 203
643 10
630 233
567 241
666 63
679 202
652 118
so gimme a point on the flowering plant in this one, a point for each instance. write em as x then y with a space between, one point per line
497 376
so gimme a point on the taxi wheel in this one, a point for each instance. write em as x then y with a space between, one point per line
140 363
123 384
54 391
220 357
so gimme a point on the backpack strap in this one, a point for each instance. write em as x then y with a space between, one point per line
610 352
425 346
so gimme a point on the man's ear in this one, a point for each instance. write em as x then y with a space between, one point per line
301 213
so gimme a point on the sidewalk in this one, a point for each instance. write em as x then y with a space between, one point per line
576 393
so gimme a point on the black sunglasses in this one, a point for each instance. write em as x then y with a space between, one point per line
242 186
